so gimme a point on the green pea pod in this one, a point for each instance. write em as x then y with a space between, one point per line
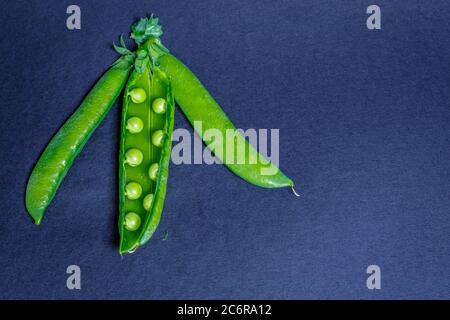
147 125
70 139
199 106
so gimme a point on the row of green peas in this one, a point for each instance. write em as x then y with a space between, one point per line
134 156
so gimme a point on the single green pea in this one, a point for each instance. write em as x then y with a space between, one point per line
147 203
153 171
132 221
134 157
137 95
159 105
157 138
133 190
135 125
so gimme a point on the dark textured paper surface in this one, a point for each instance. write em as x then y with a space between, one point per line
364 119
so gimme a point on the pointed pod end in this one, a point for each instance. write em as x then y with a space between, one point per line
124 250
36 215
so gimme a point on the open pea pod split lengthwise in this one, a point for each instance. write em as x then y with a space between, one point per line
147 124
157 79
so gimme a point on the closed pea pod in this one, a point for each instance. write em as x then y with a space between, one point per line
198 105
70 139
153 141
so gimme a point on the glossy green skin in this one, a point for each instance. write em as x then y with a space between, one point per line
198 105
157 87
70 139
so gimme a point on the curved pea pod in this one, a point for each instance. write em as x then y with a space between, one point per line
147 125
70 139
199 106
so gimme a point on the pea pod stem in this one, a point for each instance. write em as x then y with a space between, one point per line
67 143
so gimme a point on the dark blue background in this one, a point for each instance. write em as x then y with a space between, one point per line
364 119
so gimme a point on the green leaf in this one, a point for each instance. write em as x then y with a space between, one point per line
121 50
145 28
122 42
141 25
